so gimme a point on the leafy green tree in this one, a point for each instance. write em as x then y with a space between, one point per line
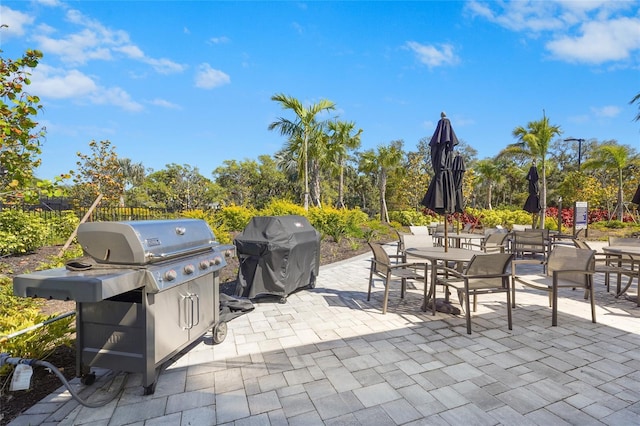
99 172
305 136
534 142
20 143
341 141
180 187
386 160
613 158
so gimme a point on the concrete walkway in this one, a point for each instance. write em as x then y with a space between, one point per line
328 356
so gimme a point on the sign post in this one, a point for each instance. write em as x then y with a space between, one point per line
580 217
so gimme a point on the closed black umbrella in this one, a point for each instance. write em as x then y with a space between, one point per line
441 194
532 205
636 197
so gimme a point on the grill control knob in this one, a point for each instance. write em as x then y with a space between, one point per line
204 265
170 275
189 269
216 260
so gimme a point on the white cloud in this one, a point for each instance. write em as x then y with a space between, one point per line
116 96
15 22
608 111
94 41
55 83
433 56
605 33
219 40
208 78
72 84
164 104
599 42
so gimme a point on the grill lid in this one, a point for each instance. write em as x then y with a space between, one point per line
145 241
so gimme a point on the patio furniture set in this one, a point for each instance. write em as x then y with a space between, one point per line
497 261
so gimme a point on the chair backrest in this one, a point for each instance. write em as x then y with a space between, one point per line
413 241
518 227
528 240
468 227
495 239
571 258
581 244
488 264
381 258
544 232
419 230
619 241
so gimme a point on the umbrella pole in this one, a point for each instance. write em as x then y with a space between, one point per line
446 234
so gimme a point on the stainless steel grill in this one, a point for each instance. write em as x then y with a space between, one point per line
144 291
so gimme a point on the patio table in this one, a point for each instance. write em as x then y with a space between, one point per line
435 255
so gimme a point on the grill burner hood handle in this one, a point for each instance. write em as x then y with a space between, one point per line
177 253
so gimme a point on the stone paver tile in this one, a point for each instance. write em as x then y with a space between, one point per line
373 416
189 400
571 414
297 404
342 379
467 414
259 420
462 371
449 397
146 409
231 406
205 416
263 402
522 400
401 411
376 394
337 404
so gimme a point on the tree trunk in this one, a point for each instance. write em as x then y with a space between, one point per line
620 209
384 215
543 194
489 198
341 187
315 183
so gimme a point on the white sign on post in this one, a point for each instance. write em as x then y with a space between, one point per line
580 216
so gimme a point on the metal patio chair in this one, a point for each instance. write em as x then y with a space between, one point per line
484 274
383 267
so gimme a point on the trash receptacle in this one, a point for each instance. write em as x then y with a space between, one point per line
278 255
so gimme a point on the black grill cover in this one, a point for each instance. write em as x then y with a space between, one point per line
278 255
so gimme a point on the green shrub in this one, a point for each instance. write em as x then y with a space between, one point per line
20 232
614 224
410 217
62 227
329 221
18 313
234 218
282 208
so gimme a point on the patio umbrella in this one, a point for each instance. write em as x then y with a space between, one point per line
532 205
636 197
441 194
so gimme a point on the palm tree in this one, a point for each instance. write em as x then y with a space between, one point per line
611 156
491 173
534 142
635 99
302 132
386 160
340 141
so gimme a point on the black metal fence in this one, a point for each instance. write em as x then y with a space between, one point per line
56 207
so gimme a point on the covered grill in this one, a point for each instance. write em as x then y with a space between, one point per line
144 291
278 254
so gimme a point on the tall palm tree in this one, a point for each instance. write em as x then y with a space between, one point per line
386 160
534 142
491 173
302 132
635 99
341 140
611 156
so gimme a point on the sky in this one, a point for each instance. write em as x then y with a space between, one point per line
190 82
